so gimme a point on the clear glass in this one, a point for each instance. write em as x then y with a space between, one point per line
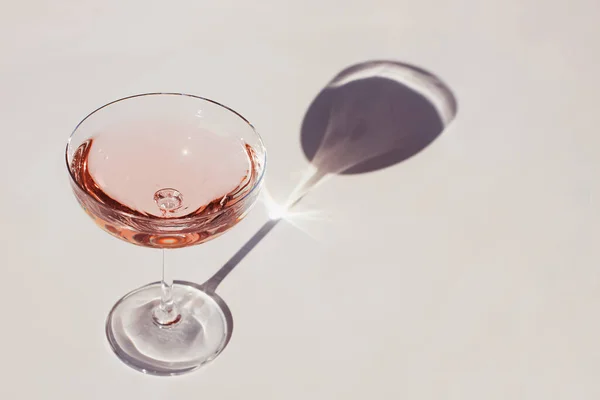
166 170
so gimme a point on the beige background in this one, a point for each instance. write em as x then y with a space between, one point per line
474 274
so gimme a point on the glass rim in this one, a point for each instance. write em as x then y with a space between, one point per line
260 141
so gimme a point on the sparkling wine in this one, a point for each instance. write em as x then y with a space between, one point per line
164 186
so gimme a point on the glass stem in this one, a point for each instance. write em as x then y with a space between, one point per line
166 312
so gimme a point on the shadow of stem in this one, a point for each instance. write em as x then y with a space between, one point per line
210 286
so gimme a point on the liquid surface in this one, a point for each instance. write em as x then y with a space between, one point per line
164 190
131 163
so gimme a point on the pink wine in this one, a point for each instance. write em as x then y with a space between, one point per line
164 186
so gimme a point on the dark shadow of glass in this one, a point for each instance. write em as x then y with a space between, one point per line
370 116
374 115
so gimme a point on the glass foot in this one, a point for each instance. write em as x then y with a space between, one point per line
196 338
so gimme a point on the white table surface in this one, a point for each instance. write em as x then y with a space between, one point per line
474 275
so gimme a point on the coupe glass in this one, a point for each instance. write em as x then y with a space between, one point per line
166 170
